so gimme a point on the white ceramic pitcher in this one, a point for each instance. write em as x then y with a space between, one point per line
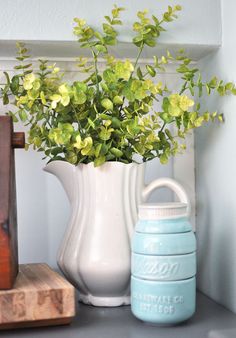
95 252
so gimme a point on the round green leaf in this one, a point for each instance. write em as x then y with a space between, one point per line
107 104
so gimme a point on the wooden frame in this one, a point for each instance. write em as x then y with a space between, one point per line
8 215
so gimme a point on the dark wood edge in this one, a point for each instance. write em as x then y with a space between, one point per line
8 216
11 140
37 323
18 140
6 130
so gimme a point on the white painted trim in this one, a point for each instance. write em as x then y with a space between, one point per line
70 65
69 50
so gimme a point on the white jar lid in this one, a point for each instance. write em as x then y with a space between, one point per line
156 211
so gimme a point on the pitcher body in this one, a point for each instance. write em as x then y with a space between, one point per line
95 254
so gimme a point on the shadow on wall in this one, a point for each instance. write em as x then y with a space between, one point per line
203 140
215 182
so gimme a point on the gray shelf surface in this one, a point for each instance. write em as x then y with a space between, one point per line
210 321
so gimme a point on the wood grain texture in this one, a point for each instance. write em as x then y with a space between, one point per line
40 297
18 140
8 217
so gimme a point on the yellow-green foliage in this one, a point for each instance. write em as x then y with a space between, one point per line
110 116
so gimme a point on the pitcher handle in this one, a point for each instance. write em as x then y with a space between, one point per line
171 184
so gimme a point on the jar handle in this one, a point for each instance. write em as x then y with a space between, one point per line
171 184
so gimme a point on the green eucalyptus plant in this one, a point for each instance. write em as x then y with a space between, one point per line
110 115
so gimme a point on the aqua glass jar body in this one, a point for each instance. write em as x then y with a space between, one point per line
163 283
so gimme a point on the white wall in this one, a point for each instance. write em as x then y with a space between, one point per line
52 20
216 177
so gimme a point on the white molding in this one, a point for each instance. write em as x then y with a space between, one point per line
70 64
69 50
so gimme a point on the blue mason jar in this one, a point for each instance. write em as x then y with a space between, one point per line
163 283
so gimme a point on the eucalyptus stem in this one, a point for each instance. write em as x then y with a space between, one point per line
162 128
131 75
96 70
183 88
154 98
137 58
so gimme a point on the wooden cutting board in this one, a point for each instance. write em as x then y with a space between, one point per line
40 297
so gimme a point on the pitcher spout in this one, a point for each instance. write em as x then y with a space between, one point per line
64 171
